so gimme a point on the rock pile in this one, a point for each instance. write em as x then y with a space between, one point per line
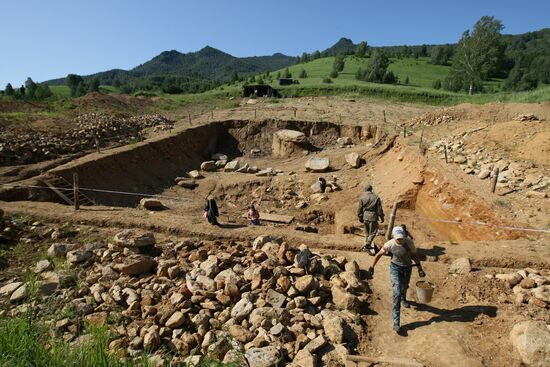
529 286
23 147
526 117
482 163
270 303
432 118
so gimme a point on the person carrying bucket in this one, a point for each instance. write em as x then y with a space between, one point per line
401 249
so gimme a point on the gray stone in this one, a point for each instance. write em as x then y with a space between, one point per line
275 298
195 174
135 265
291 136
78 256
344 140
532 341
301 260
59 249
353 159
232 166
264 357
241 309
150 204
334 329
460 266
316 344
266 172
42 266
317 164
133 238
208 166
19 294
187 183
9 288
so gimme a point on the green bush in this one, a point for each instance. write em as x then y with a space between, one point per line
327 80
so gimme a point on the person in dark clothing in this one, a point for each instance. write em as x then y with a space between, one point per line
322 183
369 211
211 212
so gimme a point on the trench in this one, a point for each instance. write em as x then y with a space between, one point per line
150 167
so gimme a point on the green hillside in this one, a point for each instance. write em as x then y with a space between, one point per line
421 72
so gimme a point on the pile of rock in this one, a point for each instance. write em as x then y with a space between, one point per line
24 147
220 162
270 303
480 162
529 286
432 118
526 117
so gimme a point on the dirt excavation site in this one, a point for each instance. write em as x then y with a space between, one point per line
139 258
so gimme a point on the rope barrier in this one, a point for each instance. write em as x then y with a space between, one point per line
99 190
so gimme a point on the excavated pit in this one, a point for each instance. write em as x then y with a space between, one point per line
151 166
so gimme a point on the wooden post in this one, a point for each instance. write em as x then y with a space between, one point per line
212 116
391 222
421 136
446 156
255 114
295 109
404 131
97 144
384 114
495 179
75 191
189 117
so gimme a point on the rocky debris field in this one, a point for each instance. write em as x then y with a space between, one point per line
483 162
255 304
25 147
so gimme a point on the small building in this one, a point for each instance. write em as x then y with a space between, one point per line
287 81
260 90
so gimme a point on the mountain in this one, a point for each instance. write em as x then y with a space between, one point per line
206 64
343 46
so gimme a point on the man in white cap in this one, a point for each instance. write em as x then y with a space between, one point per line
401 249
369 211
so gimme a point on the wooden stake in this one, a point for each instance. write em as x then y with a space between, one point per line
255 114
421 136
189 117
212 115
384 114
295 109
404 131
446 157
495 179
391 222
75 191
97 144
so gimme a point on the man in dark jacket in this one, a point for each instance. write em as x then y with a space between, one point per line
369 211
211 210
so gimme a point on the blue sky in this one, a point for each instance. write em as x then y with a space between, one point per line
45 39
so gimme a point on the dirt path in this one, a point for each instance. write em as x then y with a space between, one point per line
446 332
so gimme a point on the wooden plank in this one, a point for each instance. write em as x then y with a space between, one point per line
275 218
391 360
59 193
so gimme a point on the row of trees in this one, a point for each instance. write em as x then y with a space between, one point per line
79 86
30 91
377 69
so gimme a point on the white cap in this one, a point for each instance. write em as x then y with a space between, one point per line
398 232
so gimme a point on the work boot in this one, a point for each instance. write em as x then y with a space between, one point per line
396 328
366 248
405 304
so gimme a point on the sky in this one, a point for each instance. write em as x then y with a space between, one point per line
46 39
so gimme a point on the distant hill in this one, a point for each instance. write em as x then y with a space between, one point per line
343 46
206 64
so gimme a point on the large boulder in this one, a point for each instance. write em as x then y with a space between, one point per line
318 164
187 183
195 174
136 265
232 166
9 288
353 159
288 142
532 341
78 256
344 300
133 238
20 293
264 357
460 266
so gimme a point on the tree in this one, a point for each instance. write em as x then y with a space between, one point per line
287 74
278 76
316 55
334 73
361 49
72 81
81 89
407 80
338 63
378 64
437 84
94 85
304 58
476 54
30 86
22 92
42 92
441 55
9 90
117 83
303 74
